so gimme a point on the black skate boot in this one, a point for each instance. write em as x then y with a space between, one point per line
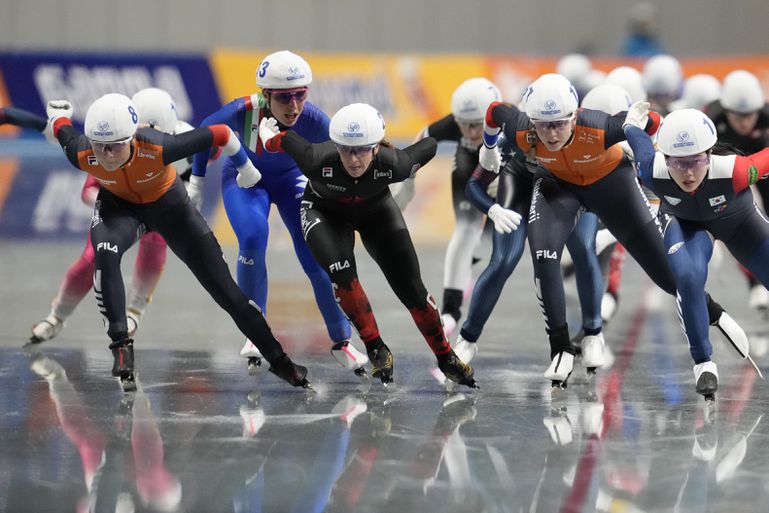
381 364
456 370
123 366
285 369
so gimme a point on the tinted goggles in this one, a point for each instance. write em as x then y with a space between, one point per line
559 124
687 163
285 97
112 147
350 151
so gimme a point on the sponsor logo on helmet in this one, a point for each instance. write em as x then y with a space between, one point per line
353 130
468 106
675 247
294 73
102 129
551 108
683 140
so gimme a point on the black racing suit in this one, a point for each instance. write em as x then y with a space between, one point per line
118 222
336 205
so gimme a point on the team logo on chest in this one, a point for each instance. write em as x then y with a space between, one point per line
672 200
383 174
327 172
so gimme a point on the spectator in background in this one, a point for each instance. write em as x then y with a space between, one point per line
641 39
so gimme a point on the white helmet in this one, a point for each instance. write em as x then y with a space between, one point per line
574 67
662 75
700 90
686 132
156 108
357 124
471 99
111 118
549 98
283 70
630 80
742 92
609 98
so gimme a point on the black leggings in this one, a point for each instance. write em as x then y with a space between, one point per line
329 229
117 224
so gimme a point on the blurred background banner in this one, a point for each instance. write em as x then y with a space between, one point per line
31 79
40 191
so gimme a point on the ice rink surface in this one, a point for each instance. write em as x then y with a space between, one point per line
201 435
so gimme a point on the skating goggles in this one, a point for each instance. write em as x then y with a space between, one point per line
285 97
687 163
559 124
349 151
112 147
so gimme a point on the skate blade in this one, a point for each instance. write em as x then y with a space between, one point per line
362 374
128 384
254 365
753 363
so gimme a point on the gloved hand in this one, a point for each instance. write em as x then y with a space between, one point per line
637 115
248 175
505 220
268 128
493 189
489 158
403 192
195 190
58 109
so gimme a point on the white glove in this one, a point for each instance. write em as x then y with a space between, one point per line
493 189
637 115
195 190
489 158
505 220
403 192
58 109
248 175
268 128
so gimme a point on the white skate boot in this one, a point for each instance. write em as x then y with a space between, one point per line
706 380
560 369
609 306
759 298
593 352
254 357
46 329
737 337
132 319
465 350
449 324
349 357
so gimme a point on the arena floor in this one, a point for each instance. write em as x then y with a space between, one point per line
201 435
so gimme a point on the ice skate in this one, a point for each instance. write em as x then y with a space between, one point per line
449 324
593 352
46 329
285 369
560 369
706 379
253 355
350 358
737 337
456 370
758 298
123 365
382 364
609 305
465 350
132 319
